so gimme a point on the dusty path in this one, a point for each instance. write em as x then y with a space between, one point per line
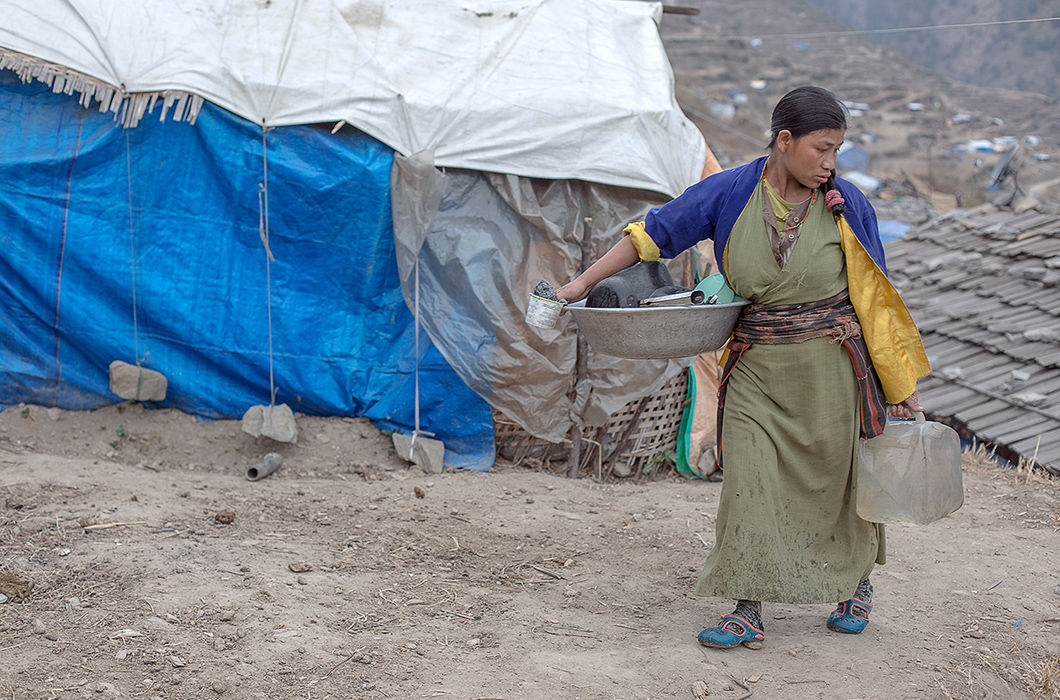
335 578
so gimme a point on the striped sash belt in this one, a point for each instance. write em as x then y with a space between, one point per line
833 318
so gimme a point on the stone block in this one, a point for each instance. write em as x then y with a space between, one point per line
137 383
426 453
275 422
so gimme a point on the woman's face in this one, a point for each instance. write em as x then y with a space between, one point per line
811 157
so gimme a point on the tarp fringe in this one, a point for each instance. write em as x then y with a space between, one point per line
128 108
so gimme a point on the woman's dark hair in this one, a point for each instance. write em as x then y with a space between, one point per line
805 110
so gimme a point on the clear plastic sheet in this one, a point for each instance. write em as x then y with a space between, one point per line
483 242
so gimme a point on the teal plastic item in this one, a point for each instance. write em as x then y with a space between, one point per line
714 289
684 431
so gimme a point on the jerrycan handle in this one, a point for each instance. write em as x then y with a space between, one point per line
919 415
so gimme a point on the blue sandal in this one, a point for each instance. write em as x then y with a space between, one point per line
850 617
730 632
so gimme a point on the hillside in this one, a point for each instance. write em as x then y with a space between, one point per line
733 61
1022 57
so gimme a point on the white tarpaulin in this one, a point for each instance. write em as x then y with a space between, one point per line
558 89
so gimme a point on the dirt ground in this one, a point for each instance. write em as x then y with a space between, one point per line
138 562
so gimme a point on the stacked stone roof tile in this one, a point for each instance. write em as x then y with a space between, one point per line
983 285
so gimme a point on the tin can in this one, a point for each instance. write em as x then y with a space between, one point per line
543 313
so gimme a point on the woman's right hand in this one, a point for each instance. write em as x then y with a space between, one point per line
619 257
573 291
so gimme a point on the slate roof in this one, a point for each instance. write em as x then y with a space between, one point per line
983 285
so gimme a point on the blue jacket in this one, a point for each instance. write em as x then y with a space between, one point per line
708 210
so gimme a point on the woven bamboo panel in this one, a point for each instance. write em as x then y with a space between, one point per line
656 429
647 429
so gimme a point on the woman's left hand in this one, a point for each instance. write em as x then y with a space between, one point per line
907 408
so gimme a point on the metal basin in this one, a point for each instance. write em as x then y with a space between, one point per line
657 332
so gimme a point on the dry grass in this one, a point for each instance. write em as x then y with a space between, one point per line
1035 490
1025 670
981 459
1047 680
1037 675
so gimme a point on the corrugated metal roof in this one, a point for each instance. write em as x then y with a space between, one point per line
983 285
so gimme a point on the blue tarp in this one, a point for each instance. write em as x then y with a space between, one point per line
89 208
852 157
892 230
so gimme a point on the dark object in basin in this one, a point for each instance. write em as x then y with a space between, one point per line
625 289
668 290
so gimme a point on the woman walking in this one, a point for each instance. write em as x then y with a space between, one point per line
824 347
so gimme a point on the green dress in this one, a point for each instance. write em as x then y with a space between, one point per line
786 526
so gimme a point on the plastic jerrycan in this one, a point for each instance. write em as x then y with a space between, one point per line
910 474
